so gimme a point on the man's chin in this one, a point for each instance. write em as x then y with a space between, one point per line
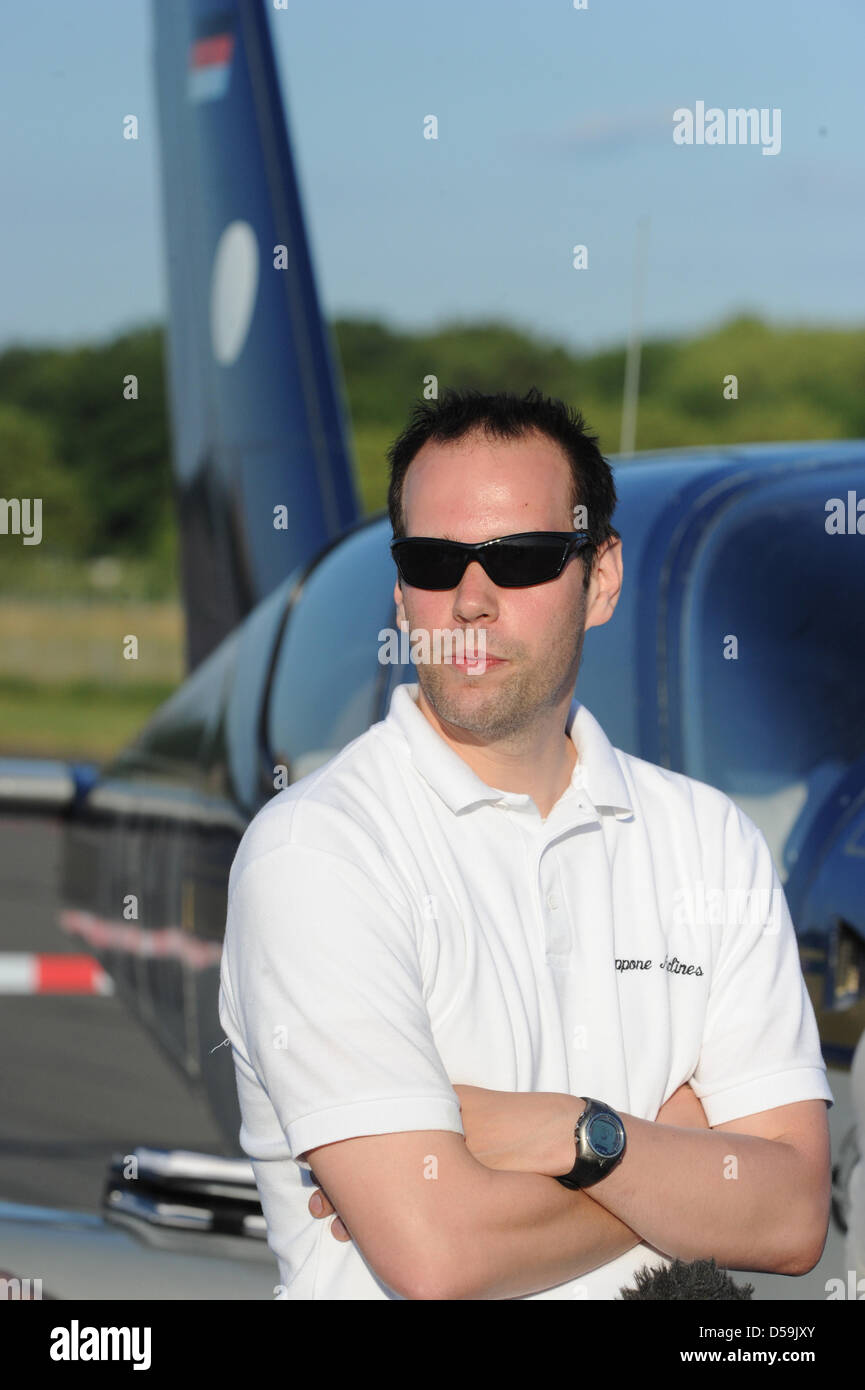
467 702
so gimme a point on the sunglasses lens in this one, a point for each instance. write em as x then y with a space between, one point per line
520 564
429 564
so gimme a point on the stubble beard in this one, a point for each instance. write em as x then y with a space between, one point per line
505 702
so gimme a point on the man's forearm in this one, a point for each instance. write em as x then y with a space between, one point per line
528 1232
696 1194
680 1188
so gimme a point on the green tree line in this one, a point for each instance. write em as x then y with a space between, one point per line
67 434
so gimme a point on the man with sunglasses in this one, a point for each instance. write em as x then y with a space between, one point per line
424 977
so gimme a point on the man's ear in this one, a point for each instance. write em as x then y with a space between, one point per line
605 584
401 619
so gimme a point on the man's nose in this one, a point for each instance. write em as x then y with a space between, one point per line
476 595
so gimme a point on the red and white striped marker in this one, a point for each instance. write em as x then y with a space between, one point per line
28 972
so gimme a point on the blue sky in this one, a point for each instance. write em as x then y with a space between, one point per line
555 128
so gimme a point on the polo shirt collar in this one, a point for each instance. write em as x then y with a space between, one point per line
596 771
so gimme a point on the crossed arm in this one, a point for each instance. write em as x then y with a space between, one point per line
439 1216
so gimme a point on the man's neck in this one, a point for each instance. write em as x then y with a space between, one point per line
541 769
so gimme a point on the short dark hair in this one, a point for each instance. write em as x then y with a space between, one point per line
507 416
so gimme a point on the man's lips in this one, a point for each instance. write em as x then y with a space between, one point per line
479 661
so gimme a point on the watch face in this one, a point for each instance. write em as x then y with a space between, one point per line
604 1136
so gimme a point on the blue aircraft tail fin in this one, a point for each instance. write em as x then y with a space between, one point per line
263 476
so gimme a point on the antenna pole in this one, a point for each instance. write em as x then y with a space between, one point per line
628 440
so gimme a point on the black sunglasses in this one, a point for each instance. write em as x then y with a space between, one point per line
512 562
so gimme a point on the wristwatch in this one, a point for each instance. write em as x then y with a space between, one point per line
600 1139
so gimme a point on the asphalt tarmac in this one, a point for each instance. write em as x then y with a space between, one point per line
81 1078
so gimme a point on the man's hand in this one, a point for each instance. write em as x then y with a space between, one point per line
528 1132
320 1205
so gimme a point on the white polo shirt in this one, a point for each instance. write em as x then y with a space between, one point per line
395 925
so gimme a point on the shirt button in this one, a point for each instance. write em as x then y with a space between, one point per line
552 901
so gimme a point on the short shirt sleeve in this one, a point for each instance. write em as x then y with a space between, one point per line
326 1001
761 1047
